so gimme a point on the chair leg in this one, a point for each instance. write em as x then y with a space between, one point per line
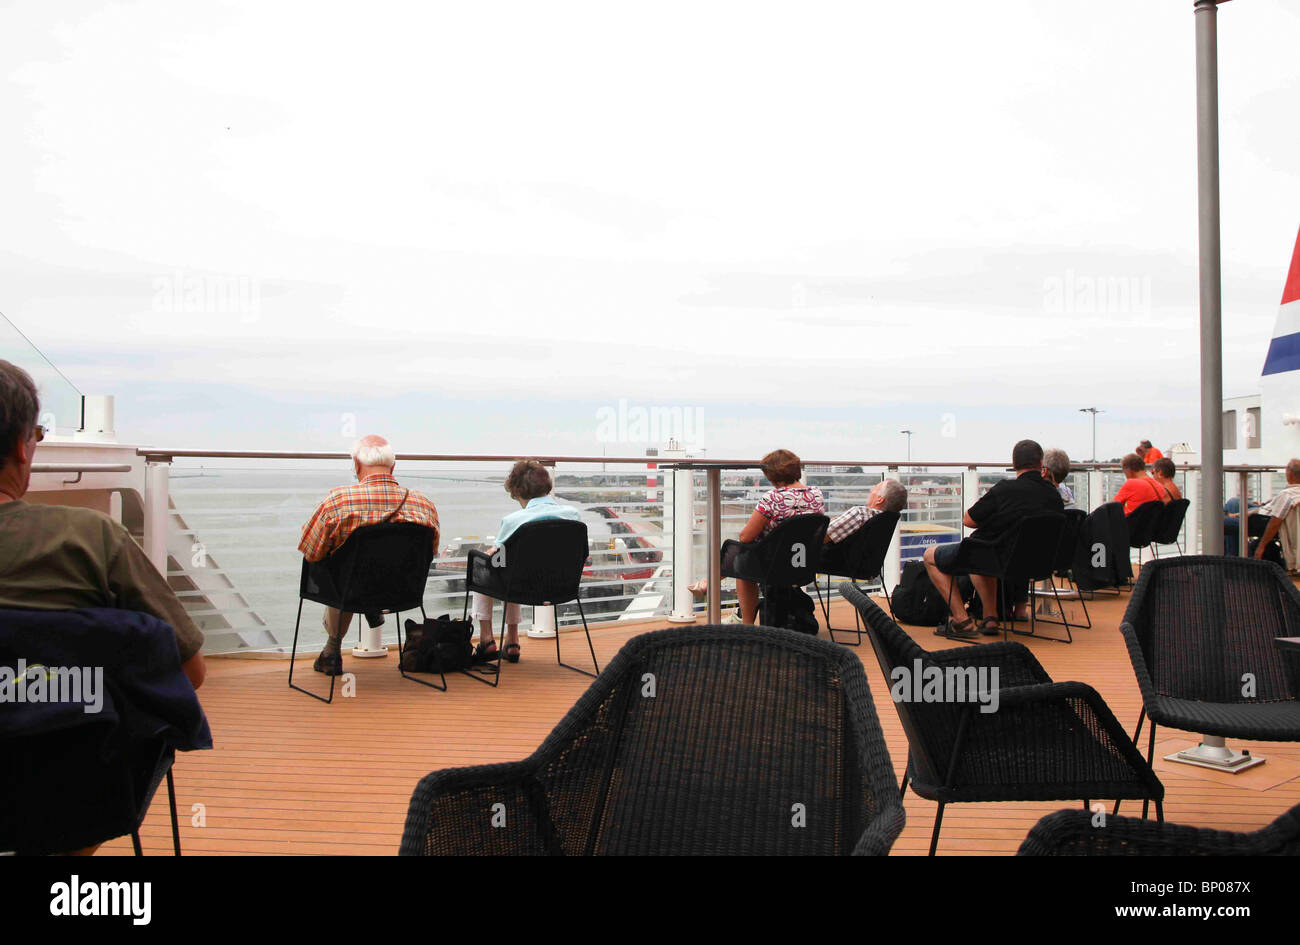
293 655
1137 733
934 837
404 674
499 662
826 612
902 791
884 587
135 842
176 827
590 645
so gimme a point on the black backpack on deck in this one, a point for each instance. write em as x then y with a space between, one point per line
915 600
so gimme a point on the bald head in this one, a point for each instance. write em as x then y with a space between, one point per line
1293 472
372 455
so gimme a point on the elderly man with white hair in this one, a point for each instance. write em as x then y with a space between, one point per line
888 495
375 497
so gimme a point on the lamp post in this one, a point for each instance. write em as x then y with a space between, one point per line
908 433
1094 411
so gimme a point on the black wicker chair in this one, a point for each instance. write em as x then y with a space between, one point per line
1046 741
710 740
542 566
1025 553
860 557
1194 626
379 569
1169 526
1142 523
1071 833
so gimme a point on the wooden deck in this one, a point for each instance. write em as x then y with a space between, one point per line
290 775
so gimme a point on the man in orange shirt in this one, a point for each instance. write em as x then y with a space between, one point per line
1148 453
375 497
1138 486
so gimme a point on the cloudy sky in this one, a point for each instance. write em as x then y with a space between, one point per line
475 226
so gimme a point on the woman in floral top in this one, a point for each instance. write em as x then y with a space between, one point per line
789 497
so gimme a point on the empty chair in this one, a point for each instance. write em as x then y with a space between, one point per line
860 557
1025 553
539 565
70 778
709 740
379 569
1142 524
1169 525
1044 740
1072 833
1195 626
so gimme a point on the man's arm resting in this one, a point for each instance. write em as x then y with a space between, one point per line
1270 532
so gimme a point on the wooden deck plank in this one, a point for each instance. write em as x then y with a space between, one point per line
290 775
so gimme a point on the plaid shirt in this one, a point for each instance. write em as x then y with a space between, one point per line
846 523
368 502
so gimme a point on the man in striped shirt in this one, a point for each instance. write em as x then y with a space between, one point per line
375 497
888 495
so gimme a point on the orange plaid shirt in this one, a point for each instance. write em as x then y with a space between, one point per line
349 507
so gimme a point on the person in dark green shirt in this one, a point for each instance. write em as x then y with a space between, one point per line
55 557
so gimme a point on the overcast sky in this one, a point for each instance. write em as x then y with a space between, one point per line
473 226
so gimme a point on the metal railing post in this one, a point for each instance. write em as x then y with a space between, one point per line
713 540
1193 523
891 574
970 493
681 484
1096 489
156 513
1243 522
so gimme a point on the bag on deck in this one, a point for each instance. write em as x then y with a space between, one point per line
915 600
788 607
438 645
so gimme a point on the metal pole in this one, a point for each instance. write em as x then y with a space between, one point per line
157 513
1207 165
682 484
714 541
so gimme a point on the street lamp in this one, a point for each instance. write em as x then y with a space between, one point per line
1094 411
909 443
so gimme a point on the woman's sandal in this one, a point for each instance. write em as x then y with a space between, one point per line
512 653
990 627
483 655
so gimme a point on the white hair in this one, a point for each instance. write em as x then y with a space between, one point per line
894 494
368 454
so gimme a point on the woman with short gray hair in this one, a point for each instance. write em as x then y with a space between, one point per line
1056 466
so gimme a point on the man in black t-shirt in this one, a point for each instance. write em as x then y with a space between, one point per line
995 513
